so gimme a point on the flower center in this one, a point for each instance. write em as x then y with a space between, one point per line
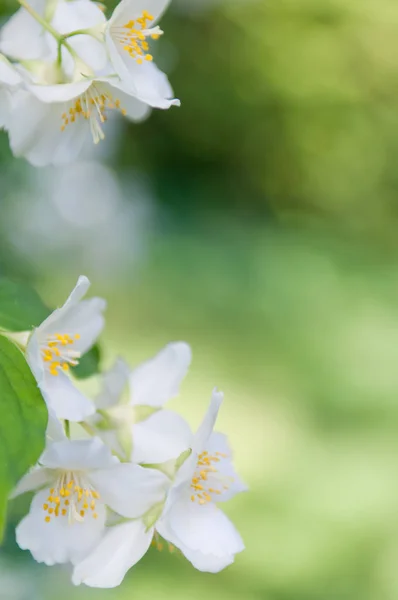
133 37
57 353
71 497
207 483
92 106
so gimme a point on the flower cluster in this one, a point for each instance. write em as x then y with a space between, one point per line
126 473
64 68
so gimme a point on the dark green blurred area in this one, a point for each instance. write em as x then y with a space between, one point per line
274 253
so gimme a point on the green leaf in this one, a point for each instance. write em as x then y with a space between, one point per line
88 364
23 421
21 308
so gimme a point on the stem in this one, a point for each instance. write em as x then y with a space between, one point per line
77 32
67 428
40 19
61 39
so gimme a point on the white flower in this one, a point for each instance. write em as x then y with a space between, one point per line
23 38
126 35
50 123
131 402
9 80
190 520
58 343
77 480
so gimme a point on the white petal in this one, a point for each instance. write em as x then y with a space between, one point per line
33 480
34 358
34 129
5 107
208 563
128 10
64 399
148 83
77 316
82 14
22 36
158 380
58 541
8 74
135 110
114 383
55 430
75 455
61 92
206 428
203 562
121 548
204 528
128 489
218 442
161 437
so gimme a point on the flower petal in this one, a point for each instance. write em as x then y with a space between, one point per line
77 316
121 548
5 107
218 442
64 399
161 437
61 92
21 37
58 541
207 425
114 383
128 489
35 479
203 562
146 82
8 74
128 10
77 15
158 380
208 563
204 528
135 109
55 430
75 455
34 357
34 129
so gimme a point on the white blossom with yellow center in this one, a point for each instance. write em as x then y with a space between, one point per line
77 481
189 521
49 124
128 35
58 343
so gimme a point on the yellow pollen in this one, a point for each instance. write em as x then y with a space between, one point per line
47 519
56 352
70 497
207 482
133 37
92 106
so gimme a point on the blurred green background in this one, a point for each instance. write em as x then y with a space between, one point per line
259 223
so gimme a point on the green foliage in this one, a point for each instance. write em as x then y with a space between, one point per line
21 308
89 363
23 420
